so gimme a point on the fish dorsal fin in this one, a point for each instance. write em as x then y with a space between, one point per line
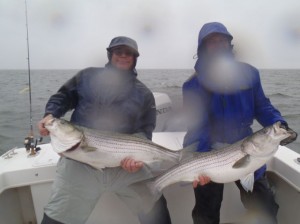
184 156
247 182
189 152
242 162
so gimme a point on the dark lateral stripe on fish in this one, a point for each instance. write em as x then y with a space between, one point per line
135 145
128 139
109 143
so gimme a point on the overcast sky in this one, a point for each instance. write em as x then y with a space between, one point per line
67 34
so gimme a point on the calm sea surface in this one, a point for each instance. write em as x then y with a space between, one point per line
281 86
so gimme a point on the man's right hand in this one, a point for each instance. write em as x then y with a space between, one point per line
202 180
41 125
131 165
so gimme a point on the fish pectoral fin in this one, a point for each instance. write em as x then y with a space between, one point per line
247 182
243 162
185 183
87 148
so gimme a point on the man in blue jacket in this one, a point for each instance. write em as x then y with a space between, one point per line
222 99
109 99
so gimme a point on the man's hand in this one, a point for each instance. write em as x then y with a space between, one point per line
41 125
293 135
130 165
202 180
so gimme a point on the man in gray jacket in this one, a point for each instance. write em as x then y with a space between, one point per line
110 99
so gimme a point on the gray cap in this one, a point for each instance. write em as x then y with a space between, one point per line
123 41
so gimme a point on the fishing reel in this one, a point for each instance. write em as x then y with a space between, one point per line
31 145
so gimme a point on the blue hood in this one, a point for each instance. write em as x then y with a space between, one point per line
210 28
206 30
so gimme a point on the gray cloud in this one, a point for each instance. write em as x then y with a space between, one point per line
75 33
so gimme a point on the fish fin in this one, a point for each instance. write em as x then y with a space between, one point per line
188 152
185 183
147 192
243 162
187 156
140 135
191 148
247 182
153 189
87 148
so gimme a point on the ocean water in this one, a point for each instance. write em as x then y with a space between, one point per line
281 86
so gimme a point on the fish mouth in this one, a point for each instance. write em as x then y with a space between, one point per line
277 128
283 128
280 131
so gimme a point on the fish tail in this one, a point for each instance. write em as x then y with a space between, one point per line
148 193
182 154
154 189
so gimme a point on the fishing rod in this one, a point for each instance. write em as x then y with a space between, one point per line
29 142
29 75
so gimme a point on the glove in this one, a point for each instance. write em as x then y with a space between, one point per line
293 135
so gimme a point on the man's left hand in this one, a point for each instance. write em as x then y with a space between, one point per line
131 165
202 180
293 135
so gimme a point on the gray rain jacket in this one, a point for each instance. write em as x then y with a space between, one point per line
106 99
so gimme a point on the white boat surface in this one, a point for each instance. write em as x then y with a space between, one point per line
25 184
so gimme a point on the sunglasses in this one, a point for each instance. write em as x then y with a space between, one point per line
126 52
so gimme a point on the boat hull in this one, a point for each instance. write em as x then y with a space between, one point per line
25 185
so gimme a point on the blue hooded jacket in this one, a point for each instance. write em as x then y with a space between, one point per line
219 116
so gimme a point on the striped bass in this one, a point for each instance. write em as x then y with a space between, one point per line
107 149
237 161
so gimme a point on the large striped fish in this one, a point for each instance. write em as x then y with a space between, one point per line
237 161
107 149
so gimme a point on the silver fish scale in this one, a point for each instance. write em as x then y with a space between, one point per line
106 142
203 161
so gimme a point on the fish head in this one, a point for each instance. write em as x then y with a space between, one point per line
64 135
265 141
